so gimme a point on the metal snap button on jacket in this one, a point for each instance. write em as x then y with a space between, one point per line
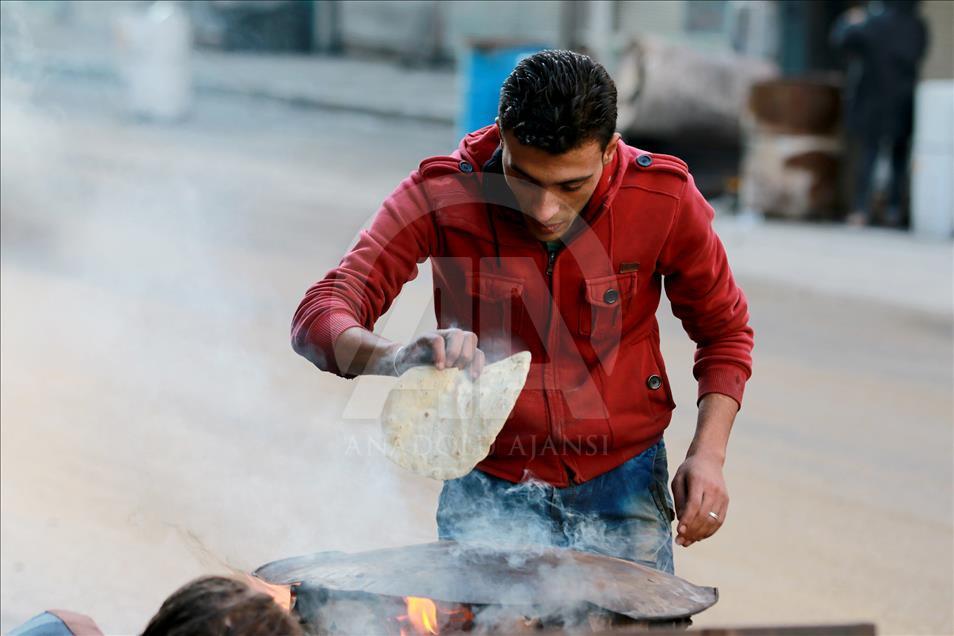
654 382
611 296
465 167
644 160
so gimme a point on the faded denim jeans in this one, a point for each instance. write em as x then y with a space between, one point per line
626 512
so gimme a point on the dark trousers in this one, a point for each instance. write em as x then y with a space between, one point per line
870 147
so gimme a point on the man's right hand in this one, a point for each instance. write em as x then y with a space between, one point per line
443 348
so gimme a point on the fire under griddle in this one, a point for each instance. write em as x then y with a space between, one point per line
448 587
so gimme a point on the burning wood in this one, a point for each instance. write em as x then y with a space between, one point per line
422 614
424 617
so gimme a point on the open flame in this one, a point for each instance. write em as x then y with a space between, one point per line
424 617
422 614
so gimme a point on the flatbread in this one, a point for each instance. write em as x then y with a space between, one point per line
440 423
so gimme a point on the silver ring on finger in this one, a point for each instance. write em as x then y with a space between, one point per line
714 515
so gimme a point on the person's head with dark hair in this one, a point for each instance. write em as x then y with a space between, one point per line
217 605
556 100
557 120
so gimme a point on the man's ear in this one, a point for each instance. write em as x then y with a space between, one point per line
609 153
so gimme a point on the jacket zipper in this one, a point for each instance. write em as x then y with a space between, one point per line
551 260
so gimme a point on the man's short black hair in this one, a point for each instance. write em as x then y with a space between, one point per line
557 100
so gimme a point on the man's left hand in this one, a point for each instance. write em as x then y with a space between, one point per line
698 489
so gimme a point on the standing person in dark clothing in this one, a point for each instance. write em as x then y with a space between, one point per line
883 49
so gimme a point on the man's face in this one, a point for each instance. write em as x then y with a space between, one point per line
552 190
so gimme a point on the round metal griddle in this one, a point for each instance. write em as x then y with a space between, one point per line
486 575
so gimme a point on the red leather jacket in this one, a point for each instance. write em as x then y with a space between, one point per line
597 393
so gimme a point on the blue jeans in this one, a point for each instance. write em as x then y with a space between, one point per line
626 512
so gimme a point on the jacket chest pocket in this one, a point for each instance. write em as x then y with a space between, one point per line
496 302
605 299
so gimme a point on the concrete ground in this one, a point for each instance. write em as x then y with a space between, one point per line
156 424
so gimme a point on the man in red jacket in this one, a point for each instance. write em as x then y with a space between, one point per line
547 233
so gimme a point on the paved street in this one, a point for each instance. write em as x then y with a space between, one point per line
156 424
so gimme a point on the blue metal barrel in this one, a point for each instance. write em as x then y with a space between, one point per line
486 64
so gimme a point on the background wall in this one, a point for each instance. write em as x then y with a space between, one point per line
939 15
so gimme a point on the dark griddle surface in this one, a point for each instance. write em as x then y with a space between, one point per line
484 575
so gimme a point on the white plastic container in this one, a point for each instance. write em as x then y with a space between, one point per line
155 61
932 164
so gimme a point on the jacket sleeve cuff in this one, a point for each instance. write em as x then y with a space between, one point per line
727 380
324 333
